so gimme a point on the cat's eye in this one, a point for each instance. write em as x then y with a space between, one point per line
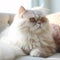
22 16
32 19
43 19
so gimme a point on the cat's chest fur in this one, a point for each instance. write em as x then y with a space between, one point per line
26 39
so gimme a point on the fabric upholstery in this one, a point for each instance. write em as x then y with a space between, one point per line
56 35
5 20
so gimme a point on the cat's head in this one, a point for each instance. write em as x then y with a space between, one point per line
31 20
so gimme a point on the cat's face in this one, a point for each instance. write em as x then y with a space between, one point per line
32 21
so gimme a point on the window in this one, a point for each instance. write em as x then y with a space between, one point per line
36 3
11 6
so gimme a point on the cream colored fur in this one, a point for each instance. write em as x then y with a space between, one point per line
28 36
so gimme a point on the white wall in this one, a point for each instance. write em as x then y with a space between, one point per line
53 5
12 6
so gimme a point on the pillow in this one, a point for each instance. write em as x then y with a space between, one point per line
56 35
11 18
4 18
54 18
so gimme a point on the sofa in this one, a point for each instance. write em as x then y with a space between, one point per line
7 18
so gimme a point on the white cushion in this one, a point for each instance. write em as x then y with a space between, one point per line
57 55
29 58
54 57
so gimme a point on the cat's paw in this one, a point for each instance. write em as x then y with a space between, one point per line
35 53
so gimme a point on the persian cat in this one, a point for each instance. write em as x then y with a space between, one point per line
31 32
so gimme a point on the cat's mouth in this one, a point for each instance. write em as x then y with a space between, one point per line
39 27
36 27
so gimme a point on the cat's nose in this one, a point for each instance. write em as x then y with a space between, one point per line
39 22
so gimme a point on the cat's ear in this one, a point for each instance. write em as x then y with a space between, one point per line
21 10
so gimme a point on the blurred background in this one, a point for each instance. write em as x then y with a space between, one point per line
11 6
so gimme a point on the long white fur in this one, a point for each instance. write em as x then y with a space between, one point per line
21 34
